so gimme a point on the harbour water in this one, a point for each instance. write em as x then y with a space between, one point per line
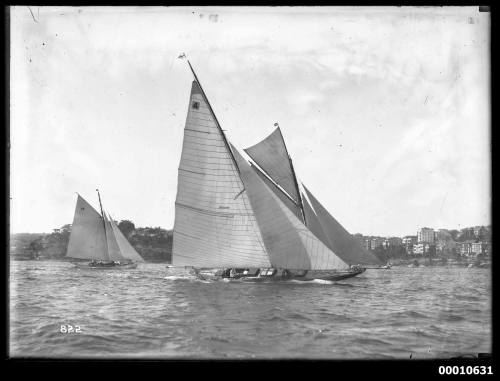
155 312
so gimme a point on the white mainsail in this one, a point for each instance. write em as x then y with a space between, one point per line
87 239
341 241
124 245
215 225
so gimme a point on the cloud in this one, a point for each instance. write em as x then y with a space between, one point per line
376 105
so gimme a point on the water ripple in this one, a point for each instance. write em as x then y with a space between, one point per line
155 312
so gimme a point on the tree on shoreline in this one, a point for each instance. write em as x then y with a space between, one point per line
153 244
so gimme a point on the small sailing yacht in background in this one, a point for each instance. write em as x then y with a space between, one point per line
96 237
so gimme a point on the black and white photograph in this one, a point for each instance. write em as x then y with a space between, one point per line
250 183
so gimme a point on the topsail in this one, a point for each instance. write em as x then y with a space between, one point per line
271 155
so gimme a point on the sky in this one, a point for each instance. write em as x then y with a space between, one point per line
385 110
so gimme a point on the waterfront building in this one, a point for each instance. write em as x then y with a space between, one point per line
409 240
426 235
365 243
466 234
478 248
420 248
479 231
394 241
376 242
465 248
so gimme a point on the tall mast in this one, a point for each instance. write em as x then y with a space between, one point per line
301 204
213 114
103 223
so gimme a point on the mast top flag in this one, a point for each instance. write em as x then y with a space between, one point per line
229 213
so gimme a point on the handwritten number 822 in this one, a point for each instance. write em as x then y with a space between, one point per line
66 328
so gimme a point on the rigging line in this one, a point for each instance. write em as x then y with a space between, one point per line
235 197
294 178
104 225
277 186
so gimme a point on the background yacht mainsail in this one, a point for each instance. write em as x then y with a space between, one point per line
87 239
215 225
338 238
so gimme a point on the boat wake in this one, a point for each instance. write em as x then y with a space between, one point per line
183 278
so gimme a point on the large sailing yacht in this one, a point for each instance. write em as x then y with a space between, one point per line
249 219
96 237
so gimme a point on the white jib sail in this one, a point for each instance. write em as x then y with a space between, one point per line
87 239
313 223
126 249
342 242
215 225
113 248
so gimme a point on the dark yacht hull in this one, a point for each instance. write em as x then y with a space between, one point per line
279 275
88 266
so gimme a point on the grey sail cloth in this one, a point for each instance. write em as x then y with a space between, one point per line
271 155
114 251
215 225
313 223
294 208
87 239
341 242
126 249
289 243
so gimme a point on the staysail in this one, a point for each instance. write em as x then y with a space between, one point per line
289 243
87 239
126 249
215 225
339 239
114 251
271 155
294 208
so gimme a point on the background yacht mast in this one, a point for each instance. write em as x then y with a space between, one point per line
103 223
